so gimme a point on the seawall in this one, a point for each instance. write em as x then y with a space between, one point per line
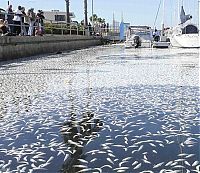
18 47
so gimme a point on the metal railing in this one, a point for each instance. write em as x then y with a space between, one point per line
62 28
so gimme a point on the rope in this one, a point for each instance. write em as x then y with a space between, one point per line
157 14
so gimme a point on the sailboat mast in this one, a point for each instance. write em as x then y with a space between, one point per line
163 26
199 17
178 12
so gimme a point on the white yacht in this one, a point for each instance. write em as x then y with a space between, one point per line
138 36
186 34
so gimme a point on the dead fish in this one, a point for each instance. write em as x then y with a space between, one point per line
153 145
198 168
137 166
182 154
190 155
99 169
140 148
134 163
111 155
187 163
121 168
128 158
195 163
146 161
154 151
93 160
122 146
158 165
179 166
179 160
120 164
108 159
50 159
84 170
79 166
108 166
134 151
83 161
169 163
74 143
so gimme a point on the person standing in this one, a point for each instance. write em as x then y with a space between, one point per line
39 23
9 18
32 17
3 27
23 21
17 21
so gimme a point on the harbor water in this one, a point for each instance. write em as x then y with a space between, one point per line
102 109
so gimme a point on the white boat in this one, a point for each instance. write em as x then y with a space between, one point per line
186 34
161 44
139 36
161 41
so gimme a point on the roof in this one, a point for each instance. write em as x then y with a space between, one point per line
57 12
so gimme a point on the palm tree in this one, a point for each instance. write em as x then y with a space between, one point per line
95 17
85 12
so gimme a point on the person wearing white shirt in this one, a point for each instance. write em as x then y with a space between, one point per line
17 21
32 18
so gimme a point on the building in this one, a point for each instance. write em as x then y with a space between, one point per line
56 16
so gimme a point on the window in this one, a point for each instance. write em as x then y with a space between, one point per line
190 29
60 18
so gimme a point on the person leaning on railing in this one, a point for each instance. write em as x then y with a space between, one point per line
39 30
32 18
17 21
9 17
23 29
3 27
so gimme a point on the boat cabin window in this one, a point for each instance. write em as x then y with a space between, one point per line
190 29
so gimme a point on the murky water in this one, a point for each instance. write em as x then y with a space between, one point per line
102 109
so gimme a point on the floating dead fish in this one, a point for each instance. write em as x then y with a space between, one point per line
106 166
85 170
108 159
195 163
83 161
79 166
158 165
137 166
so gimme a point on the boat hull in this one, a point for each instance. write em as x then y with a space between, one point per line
160 44
185 41
143 44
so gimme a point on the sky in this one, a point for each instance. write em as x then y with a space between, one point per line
136 12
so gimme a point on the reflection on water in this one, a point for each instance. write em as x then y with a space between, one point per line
102 110
77 133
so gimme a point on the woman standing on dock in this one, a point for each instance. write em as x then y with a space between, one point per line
31 16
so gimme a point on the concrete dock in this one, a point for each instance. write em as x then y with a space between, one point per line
18 47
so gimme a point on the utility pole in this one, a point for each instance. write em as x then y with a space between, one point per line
67 12
92 13
85 12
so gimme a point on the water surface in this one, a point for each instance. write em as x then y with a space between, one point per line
102 109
